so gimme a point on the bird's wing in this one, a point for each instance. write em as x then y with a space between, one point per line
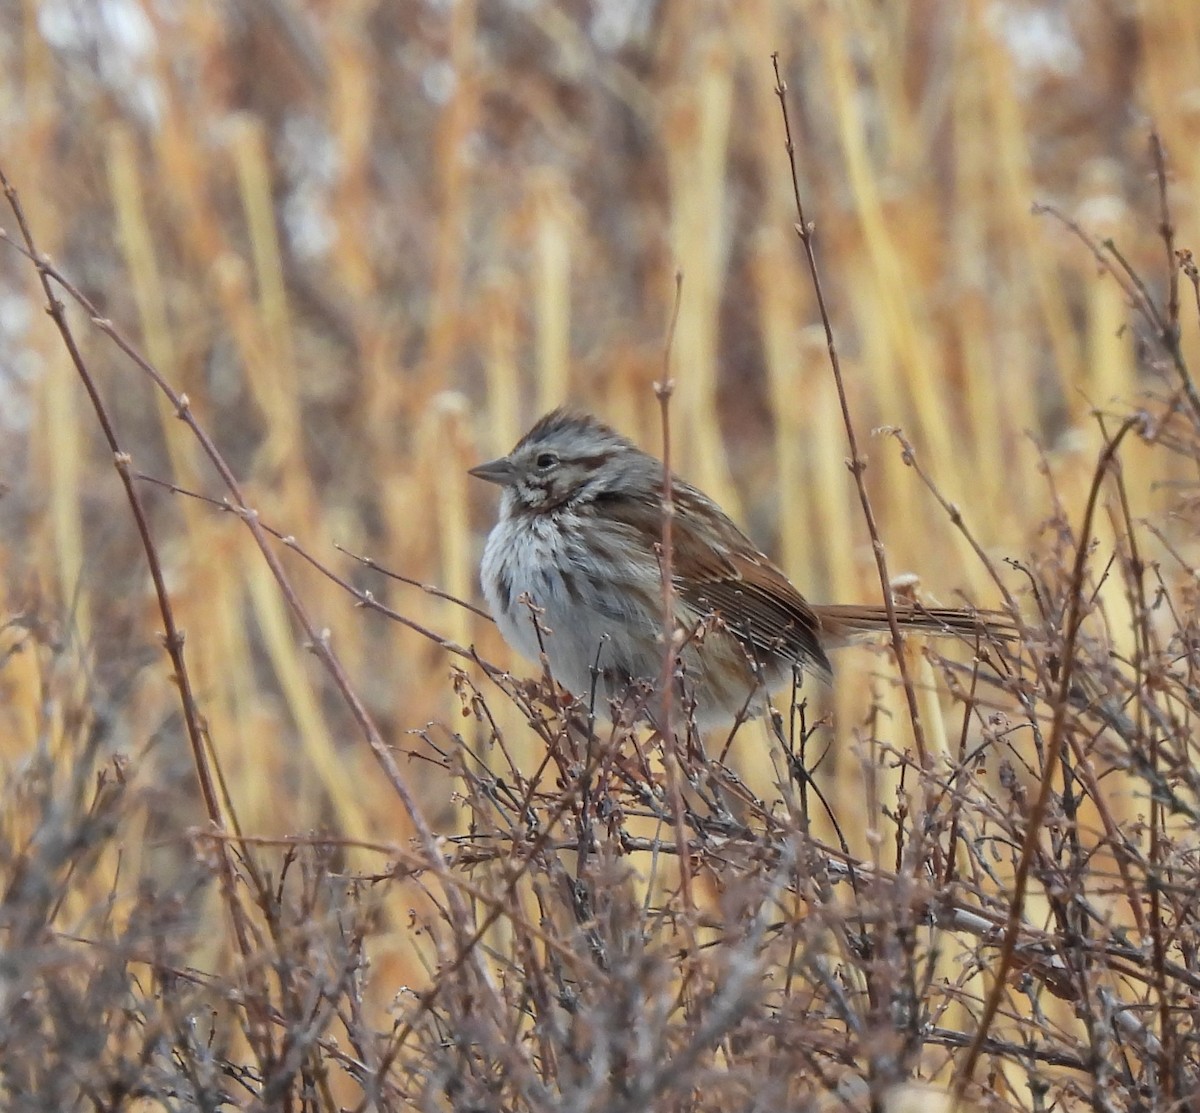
753 598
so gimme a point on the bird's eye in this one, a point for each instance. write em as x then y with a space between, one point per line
546 460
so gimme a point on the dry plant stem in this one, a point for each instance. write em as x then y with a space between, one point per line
1166 229
210 984
663 391
173 637
1085 774
317 640
923 903
93 810
417 864
1187 263
1030 845
857 464
429 589
1112 262
956 795
1105 264
733 995
502 907
909 457
362 598
1140 608
1083 769
367 601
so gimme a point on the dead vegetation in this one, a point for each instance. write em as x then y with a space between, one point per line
324 852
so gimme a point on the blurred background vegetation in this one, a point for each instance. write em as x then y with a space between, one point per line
373 242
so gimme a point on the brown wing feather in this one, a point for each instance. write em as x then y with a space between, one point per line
754 599
718 570
759 605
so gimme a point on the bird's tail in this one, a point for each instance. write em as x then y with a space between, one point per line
841 623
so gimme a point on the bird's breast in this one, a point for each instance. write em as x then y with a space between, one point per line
595 596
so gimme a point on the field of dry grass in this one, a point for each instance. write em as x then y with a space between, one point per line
297 840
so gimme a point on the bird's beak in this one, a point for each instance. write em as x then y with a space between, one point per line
497 471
